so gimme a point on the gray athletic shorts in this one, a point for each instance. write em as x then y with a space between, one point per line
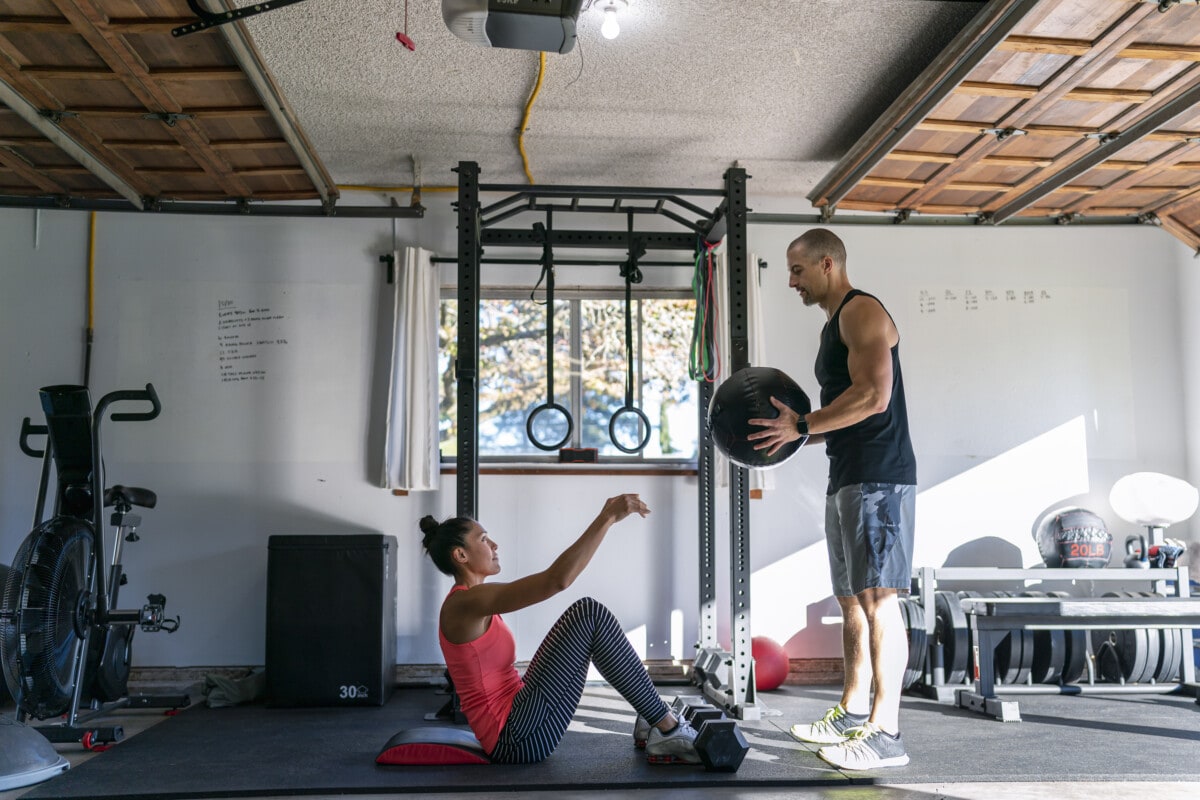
869 532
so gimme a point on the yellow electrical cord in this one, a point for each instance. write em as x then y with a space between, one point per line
537 87
91 273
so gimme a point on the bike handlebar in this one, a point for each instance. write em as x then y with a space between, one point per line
147 394
28 429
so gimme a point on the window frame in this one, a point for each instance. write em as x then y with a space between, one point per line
619 462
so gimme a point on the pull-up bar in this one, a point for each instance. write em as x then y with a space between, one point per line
526 199
566 262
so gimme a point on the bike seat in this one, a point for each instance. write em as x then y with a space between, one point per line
131 495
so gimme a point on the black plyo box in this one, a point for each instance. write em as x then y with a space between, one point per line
331 620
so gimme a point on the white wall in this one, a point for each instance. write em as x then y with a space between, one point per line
1014 410
1188 268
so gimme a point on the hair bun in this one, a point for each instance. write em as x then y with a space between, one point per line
428 525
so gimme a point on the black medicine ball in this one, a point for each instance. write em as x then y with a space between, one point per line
744 396
1073 537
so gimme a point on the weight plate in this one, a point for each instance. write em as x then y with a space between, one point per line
905 683
1025 665
912 670
1172 670
1153 641
1075 652
1167 654
1120 654
1049 652
952 632
909 677
1006 658
1108 656
917 612
1014 653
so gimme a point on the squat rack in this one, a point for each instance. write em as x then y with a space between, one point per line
725 677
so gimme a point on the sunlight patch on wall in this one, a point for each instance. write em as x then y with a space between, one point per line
1002 498
677 633
783 593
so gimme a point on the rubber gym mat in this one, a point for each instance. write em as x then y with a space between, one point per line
255 751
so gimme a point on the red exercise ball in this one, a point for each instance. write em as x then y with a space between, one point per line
770 663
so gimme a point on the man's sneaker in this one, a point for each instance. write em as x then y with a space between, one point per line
866 747
676 746
641 732
829 729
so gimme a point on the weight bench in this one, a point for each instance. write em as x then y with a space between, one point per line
432 745
992 618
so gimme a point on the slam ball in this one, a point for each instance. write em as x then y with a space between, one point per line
770 663
746 395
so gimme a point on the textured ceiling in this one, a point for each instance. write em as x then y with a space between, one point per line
782 87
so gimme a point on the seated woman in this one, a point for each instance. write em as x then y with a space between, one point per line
520 721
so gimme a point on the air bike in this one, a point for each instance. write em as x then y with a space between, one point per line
64 643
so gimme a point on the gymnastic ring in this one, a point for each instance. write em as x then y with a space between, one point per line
549 407
612 429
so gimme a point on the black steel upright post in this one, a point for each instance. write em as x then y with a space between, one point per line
467 363
741 677
706 491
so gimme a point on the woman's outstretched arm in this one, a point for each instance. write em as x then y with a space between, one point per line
501 598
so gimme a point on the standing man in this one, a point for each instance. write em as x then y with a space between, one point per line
869 505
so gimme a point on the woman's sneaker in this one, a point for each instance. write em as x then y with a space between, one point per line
641 732
677 745
829 729
867 747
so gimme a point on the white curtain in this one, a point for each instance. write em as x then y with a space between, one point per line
757 350
411 457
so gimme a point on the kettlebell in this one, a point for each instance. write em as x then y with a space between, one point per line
1136 557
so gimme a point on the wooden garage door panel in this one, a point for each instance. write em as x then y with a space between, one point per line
115 62
1072 19
1017 67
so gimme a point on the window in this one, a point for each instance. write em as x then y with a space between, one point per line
590 368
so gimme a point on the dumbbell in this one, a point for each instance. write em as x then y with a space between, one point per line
719 742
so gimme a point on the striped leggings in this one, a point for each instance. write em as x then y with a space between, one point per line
587 632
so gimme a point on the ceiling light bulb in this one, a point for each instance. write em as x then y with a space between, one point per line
610 28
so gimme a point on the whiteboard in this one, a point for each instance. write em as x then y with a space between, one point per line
1001 363
247 371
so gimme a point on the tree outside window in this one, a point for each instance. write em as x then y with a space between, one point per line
590 374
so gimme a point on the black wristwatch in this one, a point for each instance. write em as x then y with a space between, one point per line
802 426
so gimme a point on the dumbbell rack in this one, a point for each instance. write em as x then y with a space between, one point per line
933 684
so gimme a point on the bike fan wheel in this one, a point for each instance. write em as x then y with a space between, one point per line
44 602
5 691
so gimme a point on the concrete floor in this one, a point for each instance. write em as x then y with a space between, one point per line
137 722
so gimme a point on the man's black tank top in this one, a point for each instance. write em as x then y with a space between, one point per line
877 449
